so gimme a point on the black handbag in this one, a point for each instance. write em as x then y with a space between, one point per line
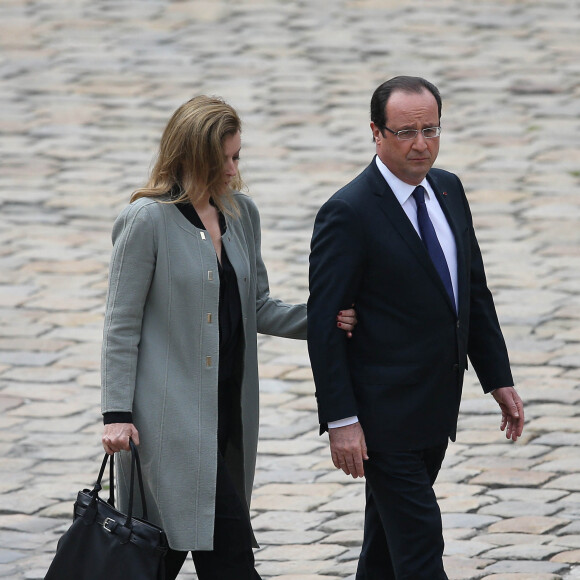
104 544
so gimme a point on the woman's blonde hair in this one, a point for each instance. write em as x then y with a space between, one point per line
191 156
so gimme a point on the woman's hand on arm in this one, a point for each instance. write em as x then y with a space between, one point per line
346 320
116 437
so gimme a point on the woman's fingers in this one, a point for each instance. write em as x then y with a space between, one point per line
116 437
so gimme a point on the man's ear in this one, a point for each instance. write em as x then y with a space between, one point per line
377 134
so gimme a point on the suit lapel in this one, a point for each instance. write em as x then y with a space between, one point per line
391 208
444 200
389 205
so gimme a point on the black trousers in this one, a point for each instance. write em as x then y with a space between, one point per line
232 557
403 534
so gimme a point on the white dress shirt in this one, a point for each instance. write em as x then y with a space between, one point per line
404 194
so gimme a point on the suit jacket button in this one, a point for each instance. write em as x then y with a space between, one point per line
458 324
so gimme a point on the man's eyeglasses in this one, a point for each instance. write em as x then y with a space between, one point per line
408 134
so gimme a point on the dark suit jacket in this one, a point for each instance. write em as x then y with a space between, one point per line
402 372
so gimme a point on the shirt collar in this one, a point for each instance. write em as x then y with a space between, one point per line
402 190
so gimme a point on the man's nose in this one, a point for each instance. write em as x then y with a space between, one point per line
419 142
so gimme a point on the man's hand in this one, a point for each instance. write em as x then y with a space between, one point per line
116 437
348 449
512 412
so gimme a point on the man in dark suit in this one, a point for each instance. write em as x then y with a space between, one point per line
398 242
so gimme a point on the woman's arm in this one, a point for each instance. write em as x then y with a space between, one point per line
275 317
131 271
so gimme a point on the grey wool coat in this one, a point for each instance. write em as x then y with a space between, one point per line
160 357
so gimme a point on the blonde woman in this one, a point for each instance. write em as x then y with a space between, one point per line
188 293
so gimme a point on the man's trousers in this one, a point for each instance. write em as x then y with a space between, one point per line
403 538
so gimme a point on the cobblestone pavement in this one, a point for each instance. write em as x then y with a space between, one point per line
85 90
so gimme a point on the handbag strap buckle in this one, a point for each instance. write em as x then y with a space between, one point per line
109 524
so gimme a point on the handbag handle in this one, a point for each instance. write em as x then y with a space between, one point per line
135 463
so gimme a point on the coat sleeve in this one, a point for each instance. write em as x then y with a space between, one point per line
273 316
336 266
130 274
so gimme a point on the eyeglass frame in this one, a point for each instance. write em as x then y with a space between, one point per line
415 131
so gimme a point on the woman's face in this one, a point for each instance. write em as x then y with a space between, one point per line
232 146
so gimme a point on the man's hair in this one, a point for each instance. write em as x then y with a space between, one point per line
401 83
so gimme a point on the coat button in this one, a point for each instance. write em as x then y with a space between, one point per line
209 317
208 361
210 275
458 324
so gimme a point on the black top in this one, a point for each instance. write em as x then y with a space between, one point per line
229 314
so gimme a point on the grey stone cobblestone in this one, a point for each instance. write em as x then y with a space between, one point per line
85 90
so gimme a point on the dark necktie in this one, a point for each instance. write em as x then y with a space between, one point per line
430 240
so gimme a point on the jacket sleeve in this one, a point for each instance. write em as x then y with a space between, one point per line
130 274
486 346
273 316
336 266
